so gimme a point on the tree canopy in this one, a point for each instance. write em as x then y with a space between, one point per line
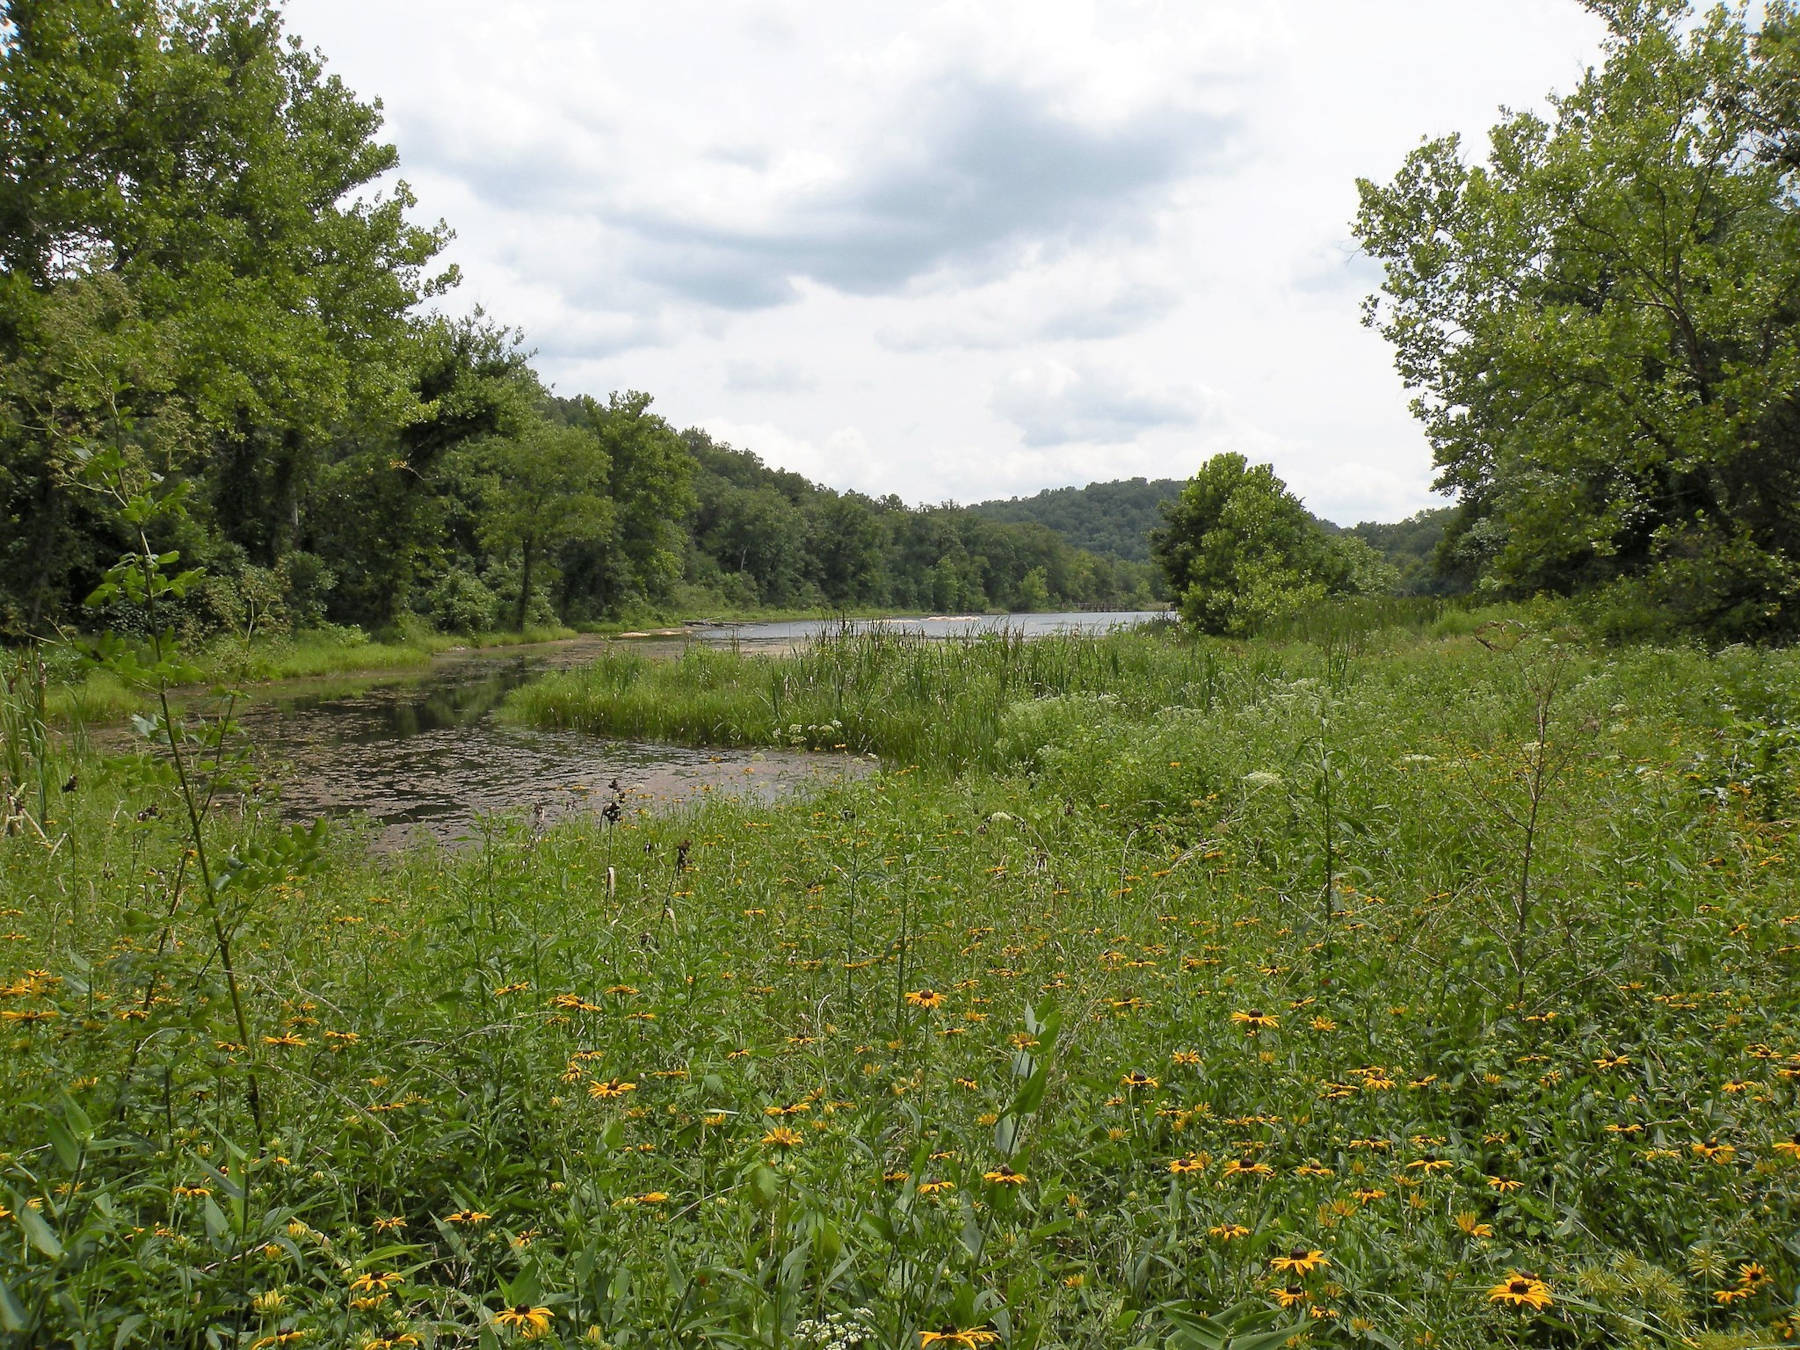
1238 549
1602 323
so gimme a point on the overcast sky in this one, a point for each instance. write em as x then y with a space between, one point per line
952 251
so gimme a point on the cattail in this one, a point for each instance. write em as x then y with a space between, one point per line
612 883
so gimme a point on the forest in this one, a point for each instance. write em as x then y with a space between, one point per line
205 268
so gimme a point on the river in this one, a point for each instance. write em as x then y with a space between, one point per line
421 752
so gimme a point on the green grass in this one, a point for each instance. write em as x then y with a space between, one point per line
1516 920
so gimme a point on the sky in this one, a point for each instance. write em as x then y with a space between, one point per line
953 251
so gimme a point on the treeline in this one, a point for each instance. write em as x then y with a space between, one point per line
200 278
1114 519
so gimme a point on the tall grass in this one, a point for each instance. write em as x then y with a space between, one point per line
935 702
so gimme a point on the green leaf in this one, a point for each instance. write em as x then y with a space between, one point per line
39 1234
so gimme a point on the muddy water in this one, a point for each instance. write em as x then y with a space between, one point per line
424 751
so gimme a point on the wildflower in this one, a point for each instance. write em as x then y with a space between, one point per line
651 1198
1726 1296
1194 1162
1134 1079
1752 1275
269 1302
1430 1163
610 1089
289 1039
1255 1020
1323 1024
1004 1176
1715 1152
782 1137
368 1283
936 1187
1367 1194
1612 1061
1312 1168
1185 1058
1522 1291
1228 1232
1470 1224
1791 1147
530 1322
1300 1261
1244 1167
897 1175
472 1217
924 998
1289 1295
970 1339
1504 1185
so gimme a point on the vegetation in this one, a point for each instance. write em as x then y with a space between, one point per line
1239 551
1112 519
1603 324
1439 984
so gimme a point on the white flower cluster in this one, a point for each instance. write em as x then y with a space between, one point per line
815 733
835 1331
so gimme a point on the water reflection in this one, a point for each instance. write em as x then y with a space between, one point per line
425 752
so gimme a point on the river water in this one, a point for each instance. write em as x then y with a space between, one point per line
422 752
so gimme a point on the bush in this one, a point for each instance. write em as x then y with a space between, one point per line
462 603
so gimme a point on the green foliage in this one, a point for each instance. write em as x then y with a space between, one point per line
1239 550
1054 1141
1112 519
1603 325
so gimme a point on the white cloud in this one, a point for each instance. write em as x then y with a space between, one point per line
948 249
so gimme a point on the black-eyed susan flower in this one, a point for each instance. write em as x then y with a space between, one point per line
471 1217
528 1321
1288 1295
1470 1224
1245 1167
953 1338
1255 1020
611 1088
782 1137
1004 1176
370 1283
1715 1152
1365 1195
1522 1291
1194 1162
924 998
1300 1261
1504 1185
1789 1147
936 1187
1430 1163
1135 1079
1228 1232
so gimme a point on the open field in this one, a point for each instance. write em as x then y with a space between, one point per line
1392 990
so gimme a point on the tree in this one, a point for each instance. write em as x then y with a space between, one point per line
1602 323
190 183
542 489
1239 549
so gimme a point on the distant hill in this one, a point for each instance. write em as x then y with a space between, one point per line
1111 519
1412 546
1114 520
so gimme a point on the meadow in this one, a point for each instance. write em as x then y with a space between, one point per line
1367 986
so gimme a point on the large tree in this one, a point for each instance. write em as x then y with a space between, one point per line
1602 322
194 264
